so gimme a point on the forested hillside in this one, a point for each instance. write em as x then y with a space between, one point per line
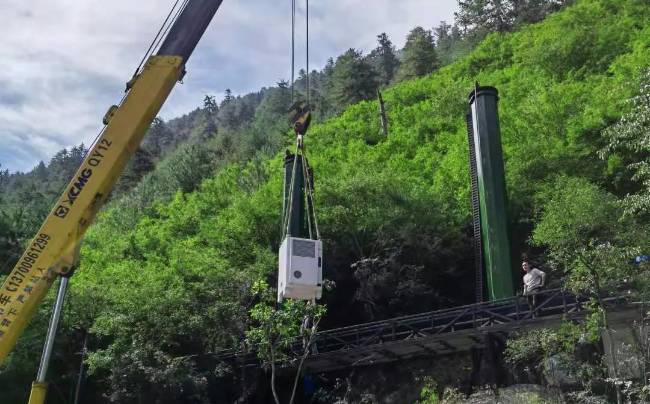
167 271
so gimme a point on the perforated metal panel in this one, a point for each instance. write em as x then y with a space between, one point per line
303 248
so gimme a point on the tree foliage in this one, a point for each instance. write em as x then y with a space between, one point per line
479 17
628 148
275 329
384 59
588 238
210 104
420 57
353 79
449 43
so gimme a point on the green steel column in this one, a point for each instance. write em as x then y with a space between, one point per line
297 226
492 192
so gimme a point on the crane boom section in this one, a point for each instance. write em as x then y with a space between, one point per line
26 286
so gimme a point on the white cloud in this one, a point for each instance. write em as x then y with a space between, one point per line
64 62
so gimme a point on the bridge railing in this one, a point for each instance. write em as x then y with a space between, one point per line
473 316
510 312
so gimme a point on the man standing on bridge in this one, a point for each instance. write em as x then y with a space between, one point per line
534 280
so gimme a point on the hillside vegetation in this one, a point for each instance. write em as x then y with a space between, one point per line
166 282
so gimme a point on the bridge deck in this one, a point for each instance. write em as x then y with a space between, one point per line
439 332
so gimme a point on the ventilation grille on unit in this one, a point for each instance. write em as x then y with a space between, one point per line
302 248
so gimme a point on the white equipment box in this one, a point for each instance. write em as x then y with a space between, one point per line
301 269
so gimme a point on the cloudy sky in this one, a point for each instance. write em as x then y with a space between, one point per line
64 62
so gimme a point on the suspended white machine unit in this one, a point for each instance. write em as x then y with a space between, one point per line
300 273
300 270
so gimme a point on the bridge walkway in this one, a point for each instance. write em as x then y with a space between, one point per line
439 332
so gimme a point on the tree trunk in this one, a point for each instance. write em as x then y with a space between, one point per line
302 360
298 372
275 393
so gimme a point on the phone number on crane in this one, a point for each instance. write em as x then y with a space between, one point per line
27 262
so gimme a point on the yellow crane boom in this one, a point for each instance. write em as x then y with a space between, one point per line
51 252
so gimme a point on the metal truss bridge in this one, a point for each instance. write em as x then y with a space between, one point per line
438 332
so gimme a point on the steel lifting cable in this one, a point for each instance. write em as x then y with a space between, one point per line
310 193
305 164
158 36
308 201
287 219
178 13
293 48
300 150
307 39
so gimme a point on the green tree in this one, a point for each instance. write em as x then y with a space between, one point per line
61 167
588 237
448 42
140 165
627 149
246 112
301 82
227 97
40 172
233 111
384 59
420 56
572 347
210 129
315 98
353 79
4 176
159 139
277 329
228 117
210 103
323 95
328 70
479 17
484 15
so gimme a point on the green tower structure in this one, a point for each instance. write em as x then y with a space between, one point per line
489 188
297 223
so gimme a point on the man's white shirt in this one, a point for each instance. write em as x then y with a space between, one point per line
533 279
